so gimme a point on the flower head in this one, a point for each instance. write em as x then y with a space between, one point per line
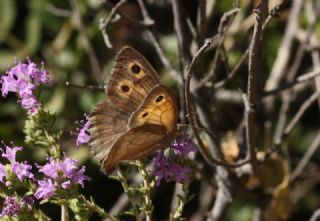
11 206
22 79
83 135
65 172
177 166
183 146
45 190
22 170
71 171
181 173
160 167
10 153
50 169
3 173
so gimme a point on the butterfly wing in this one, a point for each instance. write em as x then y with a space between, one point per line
135 144
107 124
131 80
159 107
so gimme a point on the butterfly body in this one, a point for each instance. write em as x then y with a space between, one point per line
138 116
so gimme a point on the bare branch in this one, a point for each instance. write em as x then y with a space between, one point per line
306 157
250 102
103 23
92 56
315 215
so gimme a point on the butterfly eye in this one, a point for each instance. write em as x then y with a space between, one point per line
159 98
135 69
125 88
145 114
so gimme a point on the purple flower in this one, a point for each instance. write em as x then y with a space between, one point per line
30 103
68 167
79 177
10 153
11 207
66 185
21 79
45 190
160 167
180 173
70 170
83 135
50 169
39 76
183 147
28 201
175 167
22 170
64 172
2 173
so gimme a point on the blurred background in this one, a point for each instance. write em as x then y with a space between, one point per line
65 36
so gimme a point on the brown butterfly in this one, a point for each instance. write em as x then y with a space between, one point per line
138 116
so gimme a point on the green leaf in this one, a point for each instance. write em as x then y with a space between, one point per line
80 209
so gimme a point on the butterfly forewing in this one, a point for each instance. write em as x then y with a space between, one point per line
107 124
131 80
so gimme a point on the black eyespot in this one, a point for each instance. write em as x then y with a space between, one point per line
159 98
125 88
135 69
145 114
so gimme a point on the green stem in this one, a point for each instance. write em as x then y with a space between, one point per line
128 192
148 188
64 212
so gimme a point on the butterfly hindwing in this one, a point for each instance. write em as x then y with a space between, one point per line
159 107
135 144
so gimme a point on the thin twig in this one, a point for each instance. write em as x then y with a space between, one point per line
225 22
280 64
103 23
306 157
301 79
58 11
137 23
201 22
230 76
153 40
180 27
92 56
300 113
293 122
315 215
88 87
192 115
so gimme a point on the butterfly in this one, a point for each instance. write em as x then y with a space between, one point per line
138 116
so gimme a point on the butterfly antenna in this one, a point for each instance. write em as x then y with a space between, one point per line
82 86
199 128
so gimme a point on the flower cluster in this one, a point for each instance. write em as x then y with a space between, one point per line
176 166
59 173
22 79
20 170
13 205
